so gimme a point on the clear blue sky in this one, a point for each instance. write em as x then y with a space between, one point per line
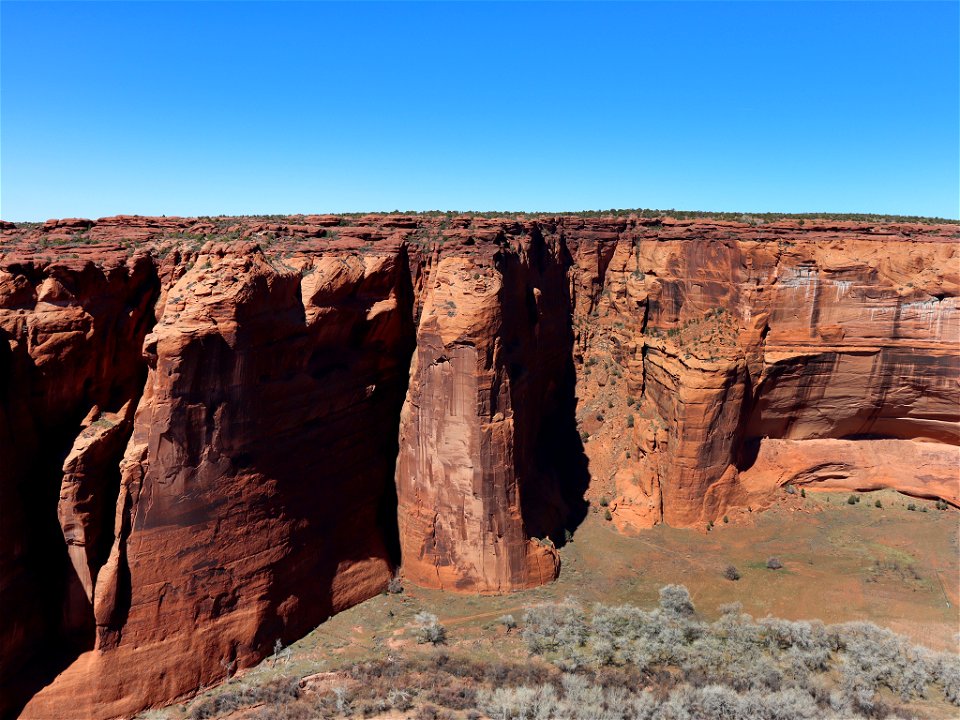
199 108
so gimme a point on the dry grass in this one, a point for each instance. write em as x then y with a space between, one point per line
891 566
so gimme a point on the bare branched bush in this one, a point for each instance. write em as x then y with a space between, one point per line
554 628
427 629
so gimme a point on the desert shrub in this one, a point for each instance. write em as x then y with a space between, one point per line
733 668
878 503
429 712
911 507
774 563
615 630
277 692
767 668
508 622
607 515
874 657
395 586
400 699
578 699
554 627
731 573
716 702
675 600
945 669
454 695
428 629
507 703
853 500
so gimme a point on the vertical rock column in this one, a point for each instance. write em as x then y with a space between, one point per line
466 454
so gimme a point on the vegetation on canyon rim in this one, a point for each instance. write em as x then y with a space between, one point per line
222 223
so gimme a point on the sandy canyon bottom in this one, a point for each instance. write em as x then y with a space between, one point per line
894 566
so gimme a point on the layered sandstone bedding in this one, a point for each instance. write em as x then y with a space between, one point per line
214 433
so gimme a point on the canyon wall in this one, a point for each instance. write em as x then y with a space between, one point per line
214 433
730 343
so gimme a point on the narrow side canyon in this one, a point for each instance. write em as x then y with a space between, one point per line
215 433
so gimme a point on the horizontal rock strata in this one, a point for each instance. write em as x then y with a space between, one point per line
216 432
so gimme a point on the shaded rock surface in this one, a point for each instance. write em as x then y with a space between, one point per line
216 432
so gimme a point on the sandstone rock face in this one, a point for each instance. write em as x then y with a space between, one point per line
920 469
484 468
215 433
70 332
253 489
726 341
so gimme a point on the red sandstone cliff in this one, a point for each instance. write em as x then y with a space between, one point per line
732 340
205 446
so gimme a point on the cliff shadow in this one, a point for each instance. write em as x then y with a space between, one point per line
333 469
540 326
49 618
561 459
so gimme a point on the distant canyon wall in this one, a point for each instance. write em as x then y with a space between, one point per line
216 433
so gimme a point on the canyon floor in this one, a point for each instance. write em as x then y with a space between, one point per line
891 565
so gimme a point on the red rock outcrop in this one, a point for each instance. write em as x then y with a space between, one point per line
70 332
729 338
254 487
484 472
216 432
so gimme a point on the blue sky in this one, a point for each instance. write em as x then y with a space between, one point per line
210 108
